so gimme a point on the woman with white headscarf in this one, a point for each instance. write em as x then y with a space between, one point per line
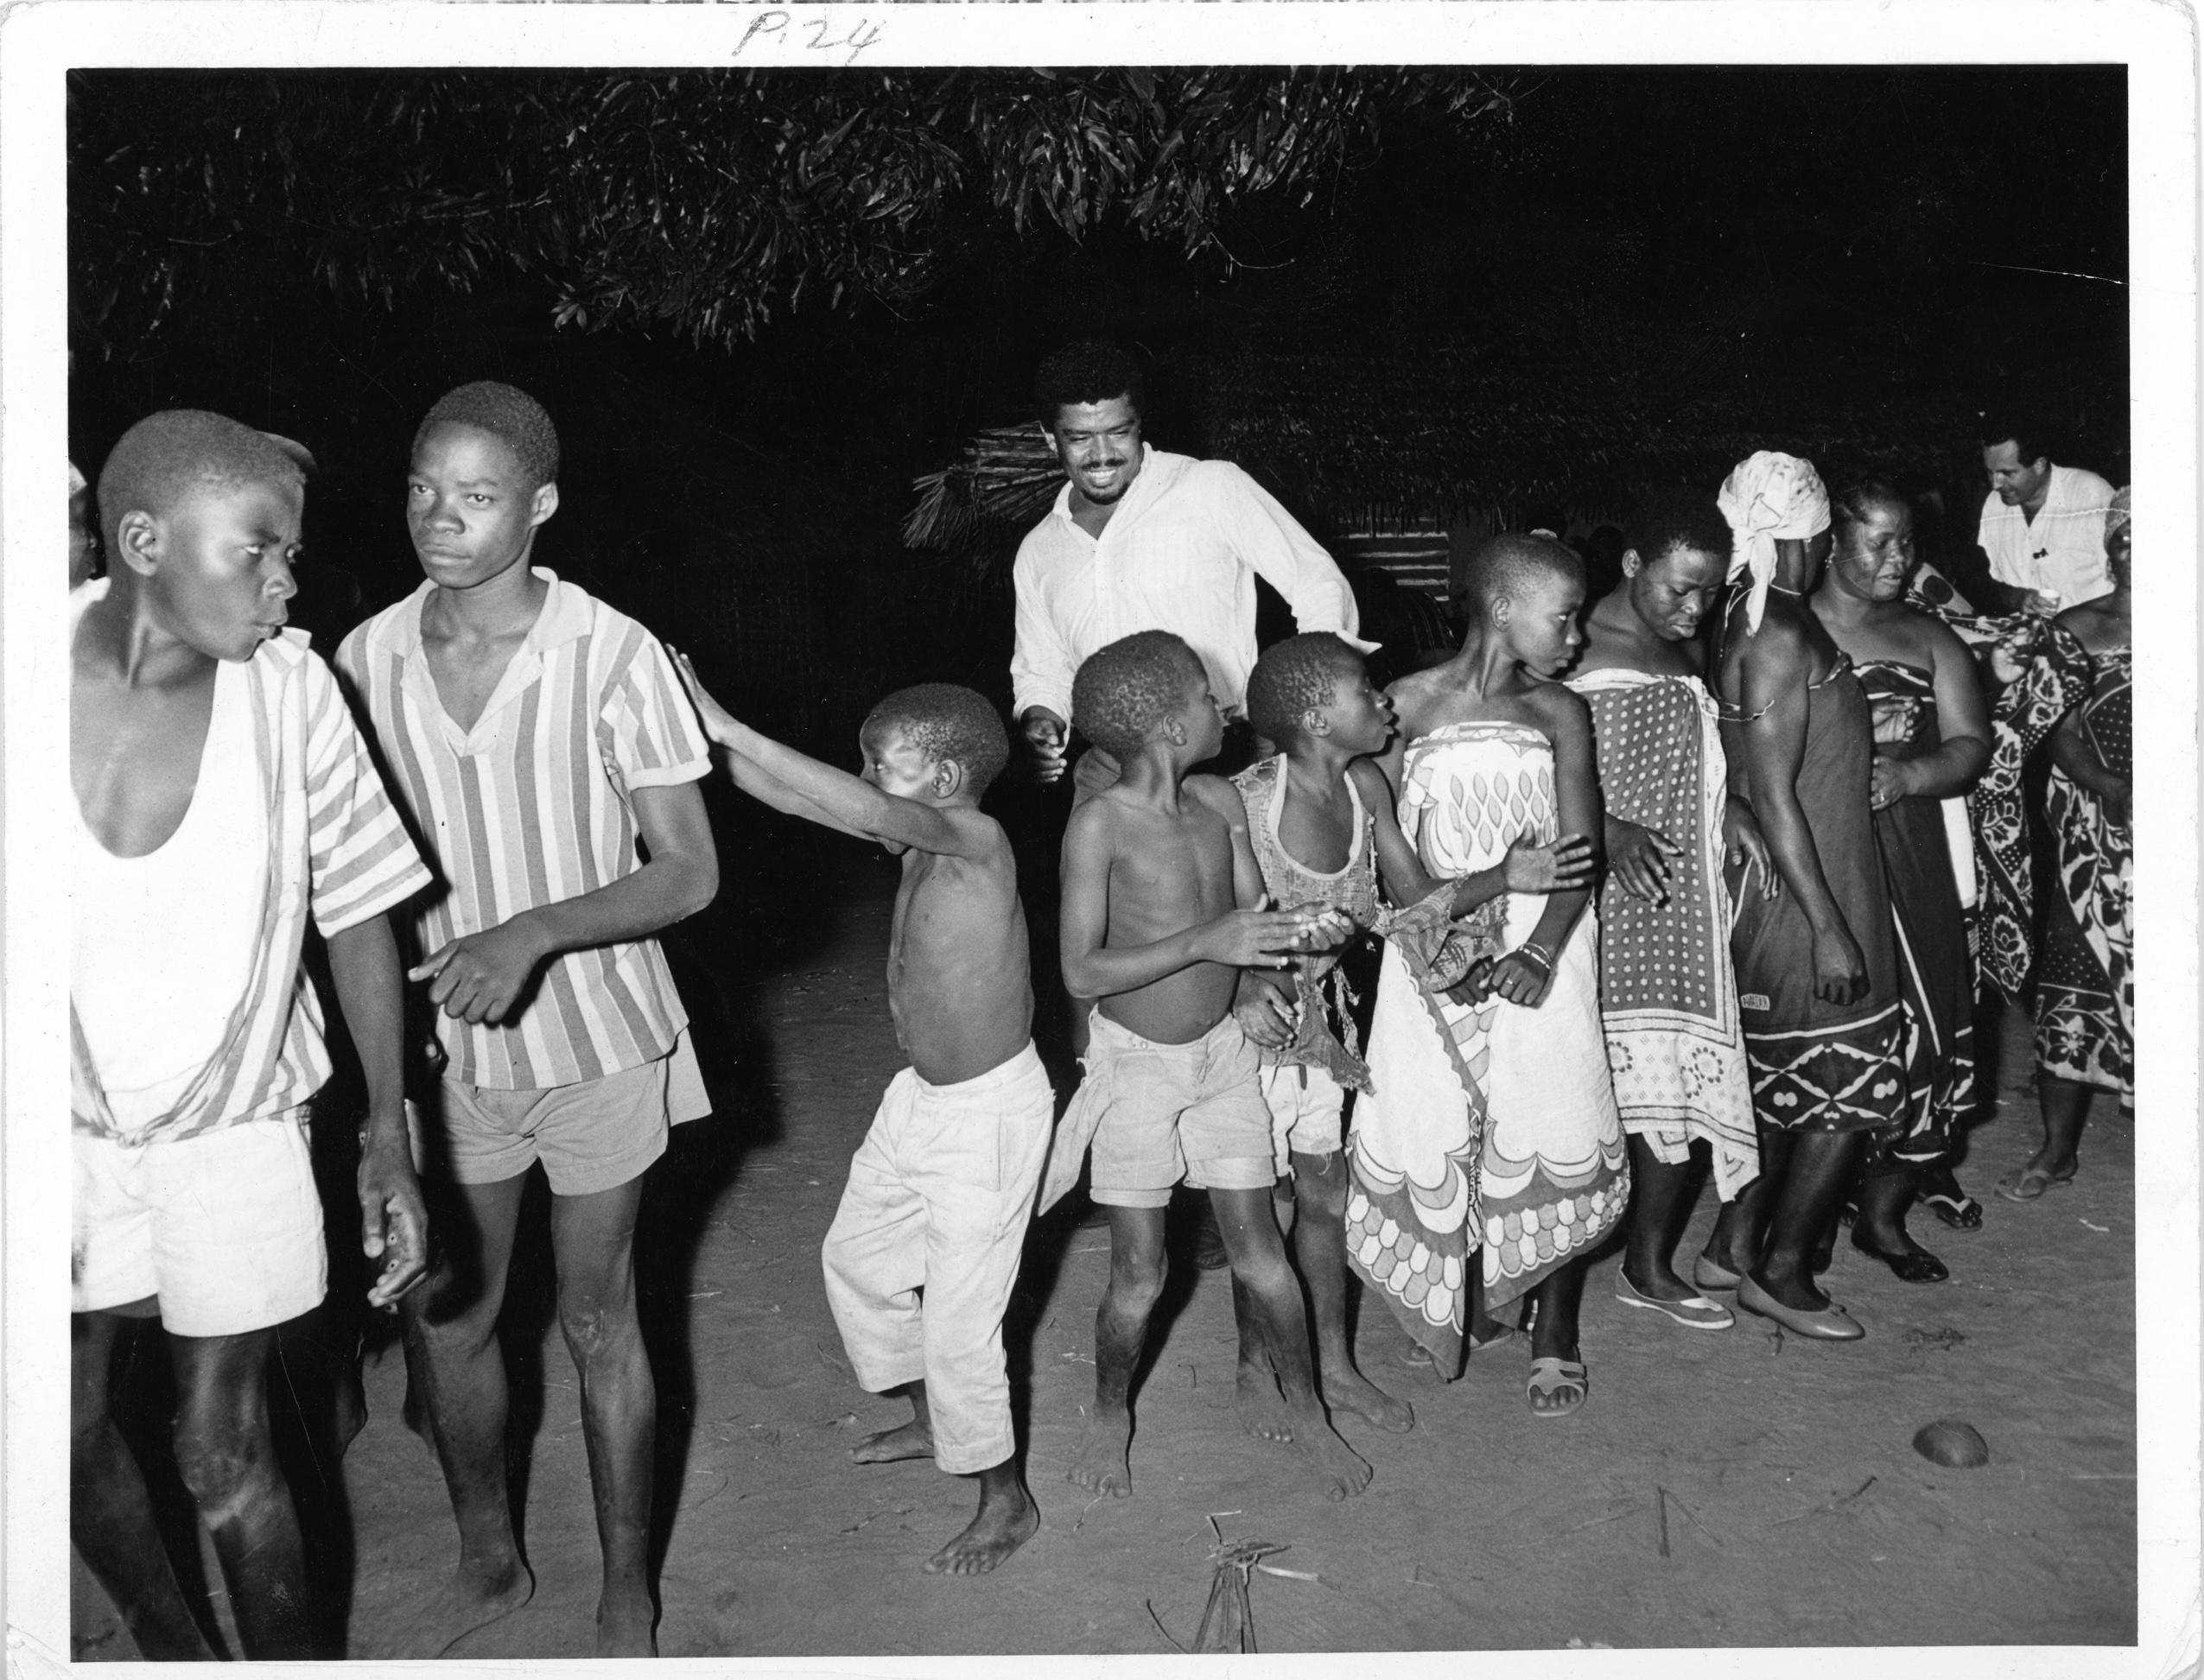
1817 973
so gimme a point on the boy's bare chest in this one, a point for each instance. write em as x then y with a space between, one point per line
466 673
133 760
1179 864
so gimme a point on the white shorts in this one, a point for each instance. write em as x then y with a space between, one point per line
223 1229
1303 1112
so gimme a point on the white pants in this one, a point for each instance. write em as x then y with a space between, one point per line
939 1195
224 1229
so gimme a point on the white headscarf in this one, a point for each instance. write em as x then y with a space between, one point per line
1767 497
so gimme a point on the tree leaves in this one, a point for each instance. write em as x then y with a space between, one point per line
698 200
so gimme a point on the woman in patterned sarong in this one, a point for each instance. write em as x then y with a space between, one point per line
1668 997
1491 1122
1816 971
1931 738
2085 1026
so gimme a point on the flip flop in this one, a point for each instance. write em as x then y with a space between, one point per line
1961 1211
1694 1312
1550 1377
2032 1184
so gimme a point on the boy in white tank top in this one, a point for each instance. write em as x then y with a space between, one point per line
198 725
1321 824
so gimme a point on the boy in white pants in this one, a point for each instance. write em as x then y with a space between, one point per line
941 1190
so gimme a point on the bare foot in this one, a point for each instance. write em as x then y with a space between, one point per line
912 1440
473 1597
1002 1527
1347 1390
623 1624
1262 1411
1101 1465
1335 1467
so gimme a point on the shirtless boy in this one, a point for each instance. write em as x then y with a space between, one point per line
1321 824
197 726
1160 892
941 1190
542 743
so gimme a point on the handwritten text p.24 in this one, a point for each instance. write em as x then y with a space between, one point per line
780 34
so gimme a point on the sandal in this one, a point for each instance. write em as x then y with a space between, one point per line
1552 1376
1961 1211
2032 1183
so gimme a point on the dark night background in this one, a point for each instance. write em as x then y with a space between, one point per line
1612 275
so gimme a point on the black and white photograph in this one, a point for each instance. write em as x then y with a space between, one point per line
1035 838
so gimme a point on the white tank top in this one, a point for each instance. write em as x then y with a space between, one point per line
164 943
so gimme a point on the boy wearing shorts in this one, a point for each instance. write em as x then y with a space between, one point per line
941 1191
222 794
1160 898
534 736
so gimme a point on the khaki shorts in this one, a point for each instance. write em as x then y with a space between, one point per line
1169 1112
1305 1106
224 1230
591 1136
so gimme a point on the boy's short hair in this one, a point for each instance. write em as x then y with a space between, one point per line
1086 370
1123 691
505 412
167 455
1661 521
1513 563
949 723
1297 676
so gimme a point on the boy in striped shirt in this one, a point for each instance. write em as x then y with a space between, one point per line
222 794
534 735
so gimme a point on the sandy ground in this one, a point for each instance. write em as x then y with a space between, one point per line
1743 1488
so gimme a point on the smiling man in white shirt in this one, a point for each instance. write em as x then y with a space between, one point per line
1142 539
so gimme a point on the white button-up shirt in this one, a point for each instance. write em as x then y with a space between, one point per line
1181 553
2061 550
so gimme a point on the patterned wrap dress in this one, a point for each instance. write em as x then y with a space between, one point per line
2085 985
1668 995
1815 1065
1935 974
1490 1132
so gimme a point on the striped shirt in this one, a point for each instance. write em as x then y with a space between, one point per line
531 807
1181 553
336 849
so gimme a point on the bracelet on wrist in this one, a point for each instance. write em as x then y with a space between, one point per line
1537 952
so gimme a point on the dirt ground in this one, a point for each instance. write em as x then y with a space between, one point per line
1707 1478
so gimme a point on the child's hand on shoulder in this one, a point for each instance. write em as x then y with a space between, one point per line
718 721
1562 866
